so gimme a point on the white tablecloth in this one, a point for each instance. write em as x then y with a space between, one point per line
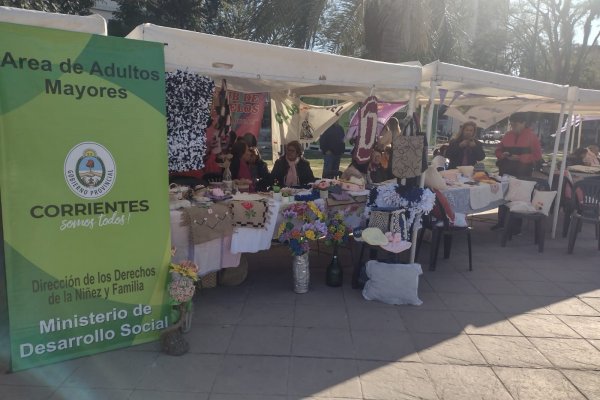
469 199
252 240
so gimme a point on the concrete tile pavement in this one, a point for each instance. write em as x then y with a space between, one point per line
522 325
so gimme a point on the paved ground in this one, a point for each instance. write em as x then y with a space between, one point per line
522 325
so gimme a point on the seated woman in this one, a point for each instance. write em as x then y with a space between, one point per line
239 163
464 149
291 169
259 170
591 157
577 157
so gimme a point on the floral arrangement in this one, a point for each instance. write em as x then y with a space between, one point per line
183 276
337 231
302 223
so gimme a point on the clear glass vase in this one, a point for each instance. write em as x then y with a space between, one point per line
301 273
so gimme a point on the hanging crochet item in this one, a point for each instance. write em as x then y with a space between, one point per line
188 99
223 123
367 131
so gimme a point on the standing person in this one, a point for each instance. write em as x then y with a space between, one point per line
332 146
519 149
291 169
464 149
517 153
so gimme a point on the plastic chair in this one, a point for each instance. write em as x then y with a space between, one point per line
586 199
538 218
442 227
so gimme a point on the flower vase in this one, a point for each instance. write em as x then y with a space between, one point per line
301 273
186 326
334 276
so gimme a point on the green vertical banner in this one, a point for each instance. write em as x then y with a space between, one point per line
83 178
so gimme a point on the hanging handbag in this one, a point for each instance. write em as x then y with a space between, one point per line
407 151
397 221
380 219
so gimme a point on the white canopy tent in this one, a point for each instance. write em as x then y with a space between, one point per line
258 67
87 24
495 95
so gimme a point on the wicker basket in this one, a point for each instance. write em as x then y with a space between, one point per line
209 280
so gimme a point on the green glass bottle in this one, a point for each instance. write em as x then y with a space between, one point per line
334 276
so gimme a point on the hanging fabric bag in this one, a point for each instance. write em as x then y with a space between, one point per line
407 150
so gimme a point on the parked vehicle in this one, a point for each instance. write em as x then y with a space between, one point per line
489 136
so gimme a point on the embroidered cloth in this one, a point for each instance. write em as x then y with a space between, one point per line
249 213
208 223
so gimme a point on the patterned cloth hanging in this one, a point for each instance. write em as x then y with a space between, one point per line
189 98
367 131
223 123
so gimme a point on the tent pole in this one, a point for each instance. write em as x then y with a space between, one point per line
580 129
557 136
561 176
412 106
572 135
412 102
433 85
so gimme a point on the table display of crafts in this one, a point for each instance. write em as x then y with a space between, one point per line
465 176
302 223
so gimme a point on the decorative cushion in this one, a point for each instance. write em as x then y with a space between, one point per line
521 207
519 190
542 200
434 180
393 283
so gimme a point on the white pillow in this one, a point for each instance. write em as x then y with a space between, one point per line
521 206
519 190
393 283
434 180
542 201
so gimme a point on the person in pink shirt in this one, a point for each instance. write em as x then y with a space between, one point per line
517 153
519 149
